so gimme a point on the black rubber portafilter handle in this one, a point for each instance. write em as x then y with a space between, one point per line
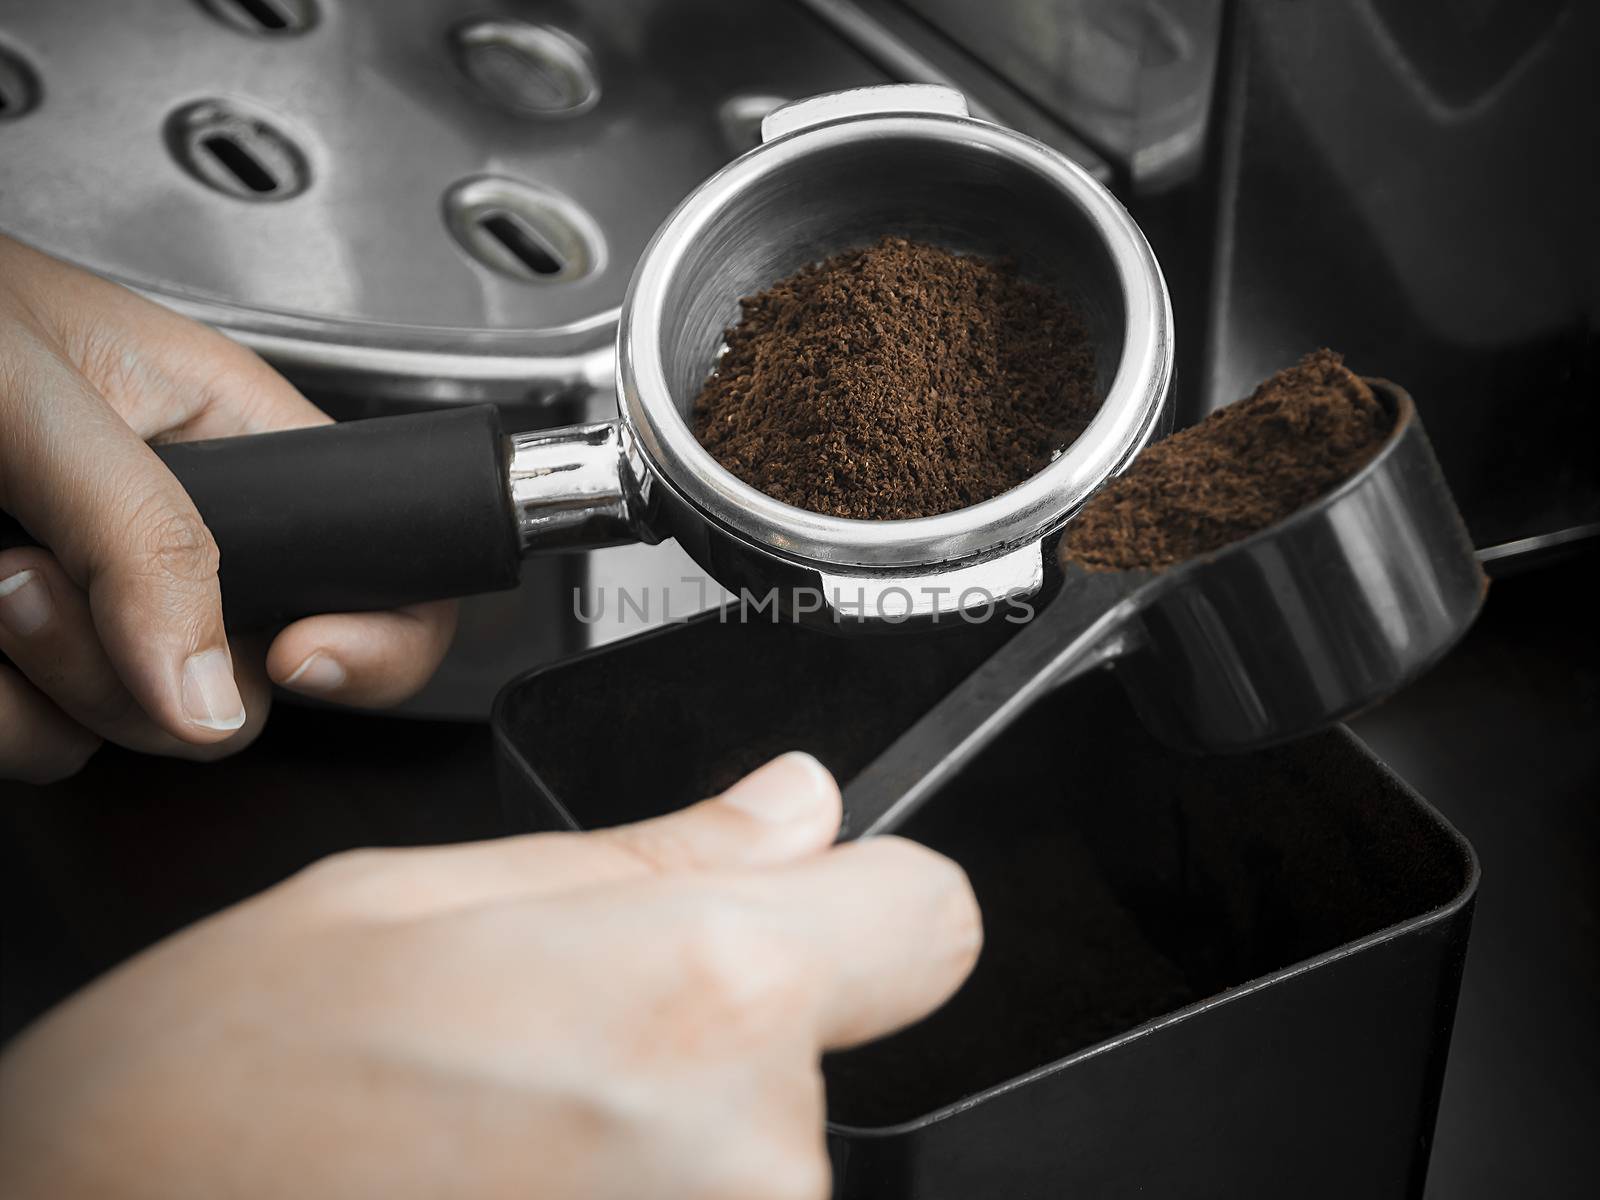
353 517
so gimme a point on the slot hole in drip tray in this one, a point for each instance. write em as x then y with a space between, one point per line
238 153
265 18
530 70
523 232
521 241
236 159
19 86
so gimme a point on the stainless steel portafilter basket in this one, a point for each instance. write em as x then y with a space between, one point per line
399 509
838 171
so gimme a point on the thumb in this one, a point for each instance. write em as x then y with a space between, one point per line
83 483
784 812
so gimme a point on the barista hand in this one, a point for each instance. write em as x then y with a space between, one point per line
116 631
576 1017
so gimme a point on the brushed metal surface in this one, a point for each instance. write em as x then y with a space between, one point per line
390 106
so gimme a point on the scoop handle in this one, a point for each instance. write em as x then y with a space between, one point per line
357 516
1074 633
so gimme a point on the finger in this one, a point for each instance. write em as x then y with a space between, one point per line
168 377
48 634
38 742
780 813
784 810
238 393
80 480
889 928
368 659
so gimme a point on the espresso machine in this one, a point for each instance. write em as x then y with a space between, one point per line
420 204
457 220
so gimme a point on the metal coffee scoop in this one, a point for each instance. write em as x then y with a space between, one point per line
372 514
1271 637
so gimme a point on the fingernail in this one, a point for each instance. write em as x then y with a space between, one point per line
319 673
790 788
210 695
24 603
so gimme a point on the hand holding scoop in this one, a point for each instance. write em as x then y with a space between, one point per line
1270 637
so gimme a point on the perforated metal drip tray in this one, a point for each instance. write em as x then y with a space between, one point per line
421 198
1216 976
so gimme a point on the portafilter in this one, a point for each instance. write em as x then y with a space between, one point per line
371 514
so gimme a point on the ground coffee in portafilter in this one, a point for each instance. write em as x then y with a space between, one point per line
1245 467
898 380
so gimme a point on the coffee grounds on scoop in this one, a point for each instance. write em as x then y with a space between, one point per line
1243 468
